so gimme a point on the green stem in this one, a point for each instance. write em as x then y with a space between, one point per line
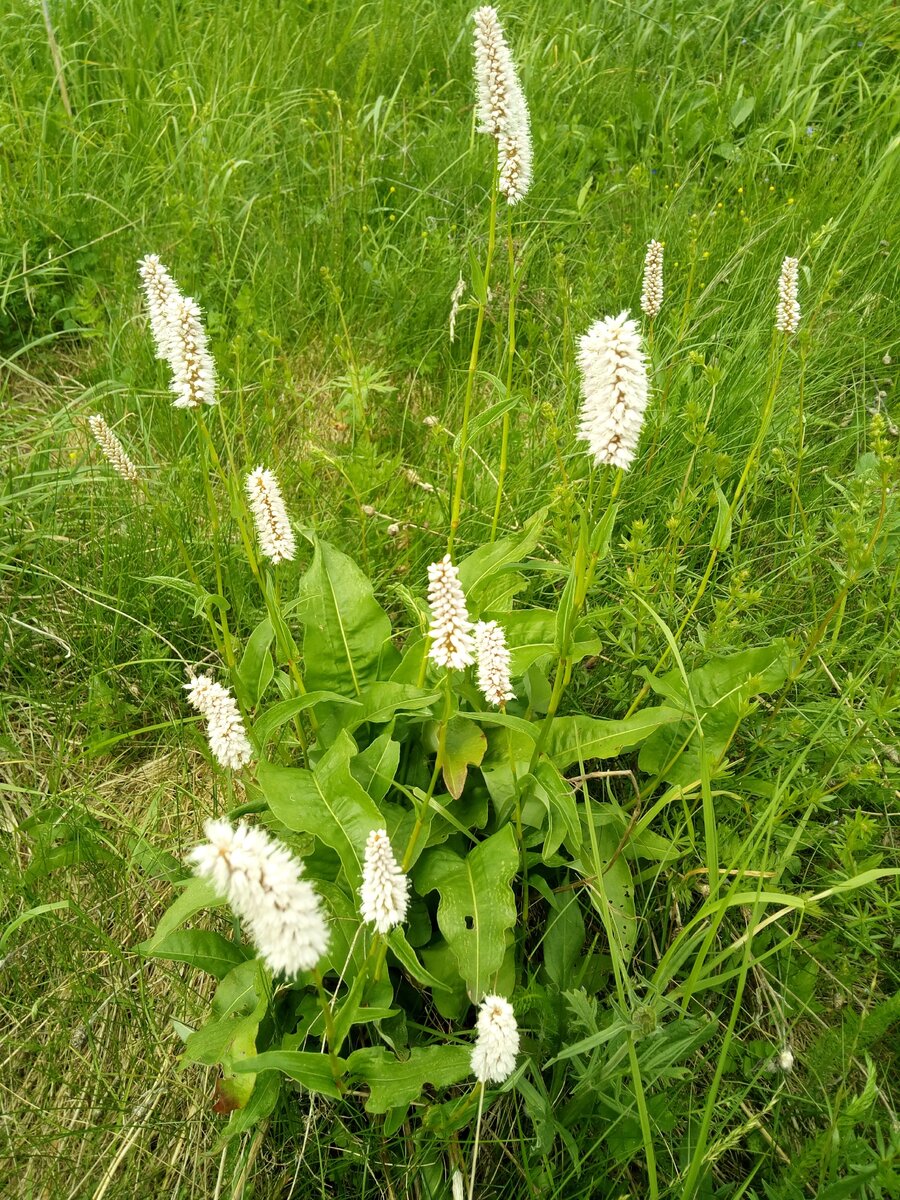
470 377
510 360
435 774
330 1036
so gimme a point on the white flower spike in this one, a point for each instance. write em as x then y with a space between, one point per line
159 289
193 370
450 629
273 526
492 656
497 1043
224 725
500 105
652 295
112 448
261 880
787 313
385 889
614 389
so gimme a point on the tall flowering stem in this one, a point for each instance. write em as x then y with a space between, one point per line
510 362
502 112
482 292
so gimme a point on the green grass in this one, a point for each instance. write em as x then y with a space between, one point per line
311 174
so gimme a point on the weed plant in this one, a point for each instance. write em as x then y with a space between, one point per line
675 850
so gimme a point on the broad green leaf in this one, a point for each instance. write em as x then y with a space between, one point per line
614 882
507 760
233 1090
254 674
347 632
260 1105
212 1043
563 939
306 1067
477 905
464 746
326 801
406 956
346 951
382 701
198 894
558 797
452 999
478 571
374 769
201 948
741 110
580 738
722 690
279 714
241 992
395 1082
530 635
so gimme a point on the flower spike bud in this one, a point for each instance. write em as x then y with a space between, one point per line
455 301
273 526
262 881
112 448
614 390
787 313
652 295
492 656
497 1043
450 629
385 889
224 726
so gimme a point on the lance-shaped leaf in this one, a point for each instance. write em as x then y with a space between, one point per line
395 1083
481 573
580 738
347 632
310 1069
198 894
477 905
327 802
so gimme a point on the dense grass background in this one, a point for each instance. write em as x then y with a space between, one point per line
311 174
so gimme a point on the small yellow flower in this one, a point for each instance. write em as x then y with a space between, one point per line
790 199
393 216
740 191
720 205
771 187
706 254
392 190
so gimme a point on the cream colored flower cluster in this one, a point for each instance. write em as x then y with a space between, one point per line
177 327
500 106
224 724
261 880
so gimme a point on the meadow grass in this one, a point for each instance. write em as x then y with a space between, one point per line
312 175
